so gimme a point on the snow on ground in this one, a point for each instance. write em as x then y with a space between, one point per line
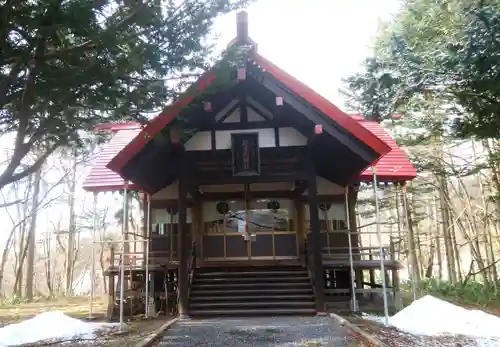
52 325
429 316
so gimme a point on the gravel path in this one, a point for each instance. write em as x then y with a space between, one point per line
257 332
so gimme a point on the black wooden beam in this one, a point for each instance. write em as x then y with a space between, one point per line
219 178
281 153
300 188
243 110
278 89
182 249
284 115
240 126
315 237
256 110
237 195
213 140
228 113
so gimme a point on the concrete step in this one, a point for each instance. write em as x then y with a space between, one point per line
261 291
255 304
197 286
210 280
254 312
245 297
256 273
247 291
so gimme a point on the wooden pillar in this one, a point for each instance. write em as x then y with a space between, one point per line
299 227
182 248
111 285
355 236
319 279
198 226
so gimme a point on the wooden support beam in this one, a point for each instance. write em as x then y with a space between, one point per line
266 154
256 110
243 109
218 178
182 249
265 124
227 114
317 260
222 196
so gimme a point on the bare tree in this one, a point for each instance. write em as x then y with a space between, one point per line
32 236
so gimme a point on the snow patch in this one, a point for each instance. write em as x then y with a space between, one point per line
52 325
430 316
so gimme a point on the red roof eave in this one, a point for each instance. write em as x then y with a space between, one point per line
158 123
313 98
323 105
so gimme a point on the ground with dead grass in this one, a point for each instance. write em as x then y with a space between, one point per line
78 307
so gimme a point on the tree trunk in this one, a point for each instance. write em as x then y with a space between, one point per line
70 251
48 264
19 271
445 218
5 252
30 273
438 239
411 240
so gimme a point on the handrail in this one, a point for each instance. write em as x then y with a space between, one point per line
192 266
309 264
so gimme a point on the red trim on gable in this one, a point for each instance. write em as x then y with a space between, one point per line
313 98
158 123
326 107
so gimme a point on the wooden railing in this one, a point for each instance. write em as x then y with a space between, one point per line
137 260
309 262
357 252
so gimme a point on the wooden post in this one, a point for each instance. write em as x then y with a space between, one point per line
111 285
353 196
299 227
198 226
182 251
372 271
319 274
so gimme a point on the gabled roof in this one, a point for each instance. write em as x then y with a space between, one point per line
100 178
297 87
395 165
392 167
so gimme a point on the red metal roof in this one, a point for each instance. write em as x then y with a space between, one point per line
395 165
100 178
323 105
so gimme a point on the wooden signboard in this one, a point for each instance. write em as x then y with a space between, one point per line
246 155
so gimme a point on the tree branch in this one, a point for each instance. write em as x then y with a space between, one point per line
10 203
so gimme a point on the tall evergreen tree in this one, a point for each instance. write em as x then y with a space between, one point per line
66 66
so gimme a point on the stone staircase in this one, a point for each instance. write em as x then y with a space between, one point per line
251 291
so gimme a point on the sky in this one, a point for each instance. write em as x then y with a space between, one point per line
317 41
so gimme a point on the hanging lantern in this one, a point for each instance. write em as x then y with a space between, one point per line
207 106
242 74
324 207
222 207
273 205
279 101
318 129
